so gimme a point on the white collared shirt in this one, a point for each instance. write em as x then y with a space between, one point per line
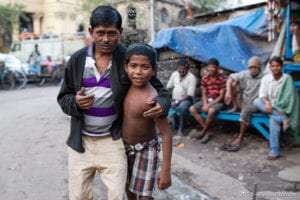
184 87
269 87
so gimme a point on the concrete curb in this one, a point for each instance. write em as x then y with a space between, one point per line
195 182
210 183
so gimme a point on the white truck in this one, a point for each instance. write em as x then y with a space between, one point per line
58 46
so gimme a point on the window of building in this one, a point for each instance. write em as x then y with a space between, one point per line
163 15
80 28
26 25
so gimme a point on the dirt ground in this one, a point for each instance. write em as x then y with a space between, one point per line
249 164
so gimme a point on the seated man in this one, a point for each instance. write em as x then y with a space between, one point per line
278 98
247 82
183 84
213 87
49 64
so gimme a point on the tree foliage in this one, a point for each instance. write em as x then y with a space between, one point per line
10 15
206 6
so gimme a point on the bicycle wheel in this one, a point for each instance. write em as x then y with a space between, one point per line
8 80
21 79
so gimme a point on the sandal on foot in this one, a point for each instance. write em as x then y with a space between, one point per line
224 147
233 148
205 139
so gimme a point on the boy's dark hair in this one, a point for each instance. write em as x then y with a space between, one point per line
144 50
213 61
105 16
276 59
184 63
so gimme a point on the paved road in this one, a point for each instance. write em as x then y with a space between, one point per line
33 131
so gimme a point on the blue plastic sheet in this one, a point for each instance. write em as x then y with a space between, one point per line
232 42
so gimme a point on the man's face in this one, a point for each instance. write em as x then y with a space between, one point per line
275 68
105 37
254 70
183 70
212 69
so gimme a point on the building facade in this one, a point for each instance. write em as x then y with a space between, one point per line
49 16
54 17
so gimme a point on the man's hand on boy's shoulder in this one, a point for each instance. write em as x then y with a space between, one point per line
155 111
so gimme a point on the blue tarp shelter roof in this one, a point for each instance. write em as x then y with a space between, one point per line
232 42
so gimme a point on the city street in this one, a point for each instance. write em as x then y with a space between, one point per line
33 155
33 132
38 39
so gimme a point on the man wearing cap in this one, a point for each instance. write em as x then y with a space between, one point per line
247 84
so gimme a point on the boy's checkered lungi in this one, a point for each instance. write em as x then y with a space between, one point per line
142 170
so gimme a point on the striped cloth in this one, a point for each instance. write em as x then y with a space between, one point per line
142 171
98 119
213 88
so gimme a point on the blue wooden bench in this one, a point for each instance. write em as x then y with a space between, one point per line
297 84
258 120
290 68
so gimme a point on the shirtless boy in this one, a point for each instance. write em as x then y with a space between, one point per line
139 133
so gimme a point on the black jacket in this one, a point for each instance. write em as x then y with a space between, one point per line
119 85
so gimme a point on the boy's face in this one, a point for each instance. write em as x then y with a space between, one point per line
105 37
212 69
275 68
139 70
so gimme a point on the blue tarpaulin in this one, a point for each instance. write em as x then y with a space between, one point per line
232 42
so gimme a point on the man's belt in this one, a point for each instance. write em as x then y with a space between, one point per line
132 149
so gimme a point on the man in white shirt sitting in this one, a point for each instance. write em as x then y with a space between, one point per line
182 83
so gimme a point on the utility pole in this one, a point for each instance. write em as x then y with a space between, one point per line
152 20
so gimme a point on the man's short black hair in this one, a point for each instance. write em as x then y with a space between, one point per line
144 50
183 62
105 16
277 59
213 61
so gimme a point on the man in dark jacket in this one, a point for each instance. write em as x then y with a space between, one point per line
92 94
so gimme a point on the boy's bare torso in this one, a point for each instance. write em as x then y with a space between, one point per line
136 128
